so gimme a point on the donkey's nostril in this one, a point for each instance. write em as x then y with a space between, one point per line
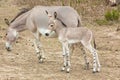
46 34
8 48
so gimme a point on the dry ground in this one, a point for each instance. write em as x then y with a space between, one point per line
22 63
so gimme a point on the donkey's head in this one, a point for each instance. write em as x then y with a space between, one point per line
11 35
51 23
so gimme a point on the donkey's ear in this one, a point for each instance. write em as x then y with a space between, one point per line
7 21
55 14
46 12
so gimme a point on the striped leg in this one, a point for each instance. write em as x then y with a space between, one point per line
94 61
64 57
98 62
85 58
92 50
38 47
67 58
68 62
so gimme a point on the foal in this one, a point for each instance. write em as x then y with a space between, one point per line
68 36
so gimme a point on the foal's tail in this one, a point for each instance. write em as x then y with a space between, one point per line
94 43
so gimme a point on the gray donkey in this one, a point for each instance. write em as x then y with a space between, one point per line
36 21
68 36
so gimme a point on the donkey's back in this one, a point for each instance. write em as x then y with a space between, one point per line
74 35
65 13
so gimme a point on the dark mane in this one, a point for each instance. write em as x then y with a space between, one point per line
23 10
62 22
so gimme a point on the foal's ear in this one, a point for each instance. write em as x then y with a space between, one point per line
46 12
55 14
7 21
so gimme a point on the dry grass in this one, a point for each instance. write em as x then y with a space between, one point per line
22 63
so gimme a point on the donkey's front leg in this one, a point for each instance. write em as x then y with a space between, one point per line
38 48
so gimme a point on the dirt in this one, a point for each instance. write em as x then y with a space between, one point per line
22 63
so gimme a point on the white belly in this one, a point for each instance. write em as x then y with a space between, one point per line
73 41
68 41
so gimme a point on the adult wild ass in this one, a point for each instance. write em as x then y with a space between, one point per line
36 20
68 36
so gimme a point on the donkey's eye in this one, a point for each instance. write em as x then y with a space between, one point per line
6 34
51 25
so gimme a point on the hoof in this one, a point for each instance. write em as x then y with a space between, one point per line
94 72
63 69
41 61
68 70
98 70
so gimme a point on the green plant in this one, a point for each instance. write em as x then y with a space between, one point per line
118 8
102 22
112 15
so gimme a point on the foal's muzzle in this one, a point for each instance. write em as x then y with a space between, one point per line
46 34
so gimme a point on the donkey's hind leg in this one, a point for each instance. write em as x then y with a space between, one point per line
97 60
92 50
38 47
85 58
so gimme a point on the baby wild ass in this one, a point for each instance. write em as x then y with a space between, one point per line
68 36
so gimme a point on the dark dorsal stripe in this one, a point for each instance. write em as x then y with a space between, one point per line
23 10
62 22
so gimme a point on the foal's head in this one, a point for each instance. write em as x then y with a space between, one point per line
51 23
11 35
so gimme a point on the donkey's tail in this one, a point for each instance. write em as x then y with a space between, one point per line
79 21
94 43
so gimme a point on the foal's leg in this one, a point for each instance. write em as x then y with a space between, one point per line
66 55
98 63
97 60
85 58
92 50
38 47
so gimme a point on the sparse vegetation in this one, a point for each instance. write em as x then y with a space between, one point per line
22 63
102 22
112 15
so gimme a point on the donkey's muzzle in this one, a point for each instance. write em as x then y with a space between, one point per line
8 49
46 34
